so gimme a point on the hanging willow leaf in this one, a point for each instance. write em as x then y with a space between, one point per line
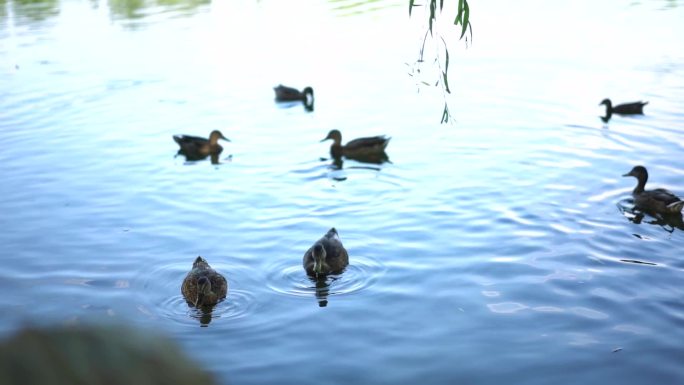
411 6
445 114
446 82
465 22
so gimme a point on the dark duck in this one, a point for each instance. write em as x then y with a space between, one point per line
195 147
290 94
659 201
326 256
203 286
634 108
370 149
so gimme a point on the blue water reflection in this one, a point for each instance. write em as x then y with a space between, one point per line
501 248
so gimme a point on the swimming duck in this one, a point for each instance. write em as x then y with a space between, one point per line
203 286
634 108
289 94
326 256
197 147
357 148
659 200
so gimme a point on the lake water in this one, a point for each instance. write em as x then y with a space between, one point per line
498 248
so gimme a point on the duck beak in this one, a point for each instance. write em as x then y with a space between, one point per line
324 139
628 174
224 138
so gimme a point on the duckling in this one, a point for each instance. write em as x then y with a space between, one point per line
289 94
634 108
659 200
326 256
203 286
357 148
197 147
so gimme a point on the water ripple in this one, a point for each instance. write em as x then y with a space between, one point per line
292 280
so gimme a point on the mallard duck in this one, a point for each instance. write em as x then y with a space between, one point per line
203 286
289 94
357 148
659 200
326 256
634 108
197 147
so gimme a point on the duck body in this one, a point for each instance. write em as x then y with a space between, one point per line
290 94
634 108
660 200
326 256
198 147
370 147
203 286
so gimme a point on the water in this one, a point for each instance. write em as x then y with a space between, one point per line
499 248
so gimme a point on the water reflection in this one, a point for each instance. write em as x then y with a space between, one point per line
668 222
203 313
194 157
322 290
34 10
133 9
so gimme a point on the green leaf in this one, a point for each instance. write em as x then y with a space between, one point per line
441 4
465 22
411 6
460 12
445 114
446 82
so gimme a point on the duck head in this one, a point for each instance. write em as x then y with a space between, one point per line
641 174
215 136
638 172
308 98
607 103
335 135
319 255
200 263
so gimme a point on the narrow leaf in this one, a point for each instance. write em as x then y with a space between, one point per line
445 114
441 4
446 82
411 6
465 22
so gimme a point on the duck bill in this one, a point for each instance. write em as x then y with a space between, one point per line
628 174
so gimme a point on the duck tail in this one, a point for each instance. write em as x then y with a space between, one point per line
676 207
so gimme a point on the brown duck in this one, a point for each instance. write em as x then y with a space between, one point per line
659 200
326 256
203 286
369 147
198 147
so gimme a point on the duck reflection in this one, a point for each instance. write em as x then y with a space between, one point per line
668 222
322 289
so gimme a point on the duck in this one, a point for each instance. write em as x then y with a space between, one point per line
659 200
290 94
634 108
203 286
369 147
198 147
326 256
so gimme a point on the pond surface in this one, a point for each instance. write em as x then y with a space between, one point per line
499 248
